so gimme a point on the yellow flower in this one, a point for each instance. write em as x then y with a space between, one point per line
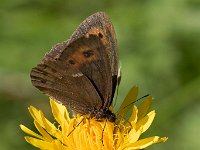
84 133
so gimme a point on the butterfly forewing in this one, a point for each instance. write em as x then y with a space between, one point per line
99 25
88 55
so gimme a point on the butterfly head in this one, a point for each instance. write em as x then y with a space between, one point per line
100 114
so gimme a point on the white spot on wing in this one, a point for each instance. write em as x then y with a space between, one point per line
77 75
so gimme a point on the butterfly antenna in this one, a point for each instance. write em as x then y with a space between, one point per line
105 121
74 127
135 101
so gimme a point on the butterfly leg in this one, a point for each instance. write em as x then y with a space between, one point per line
105 120
74 127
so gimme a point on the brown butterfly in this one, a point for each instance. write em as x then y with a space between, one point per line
82 72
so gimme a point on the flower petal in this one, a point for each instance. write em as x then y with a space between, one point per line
44 123
131 123
141 144
46 136
59 111
39 117
133 117
35 113
39 143
54 145
144 107
30 132
146 121
133 136
163 139
50 128
130 98
58 145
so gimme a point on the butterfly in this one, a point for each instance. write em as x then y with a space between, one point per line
82 72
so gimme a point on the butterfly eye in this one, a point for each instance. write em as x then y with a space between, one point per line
88 53
72 62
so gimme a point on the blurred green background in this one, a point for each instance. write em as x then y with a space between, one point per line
159 50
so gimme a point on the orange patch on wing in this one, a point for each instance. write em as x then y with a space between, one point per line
100 33
94 31
79 58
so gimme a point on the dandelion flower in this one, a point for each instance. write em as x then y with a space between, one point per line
84 133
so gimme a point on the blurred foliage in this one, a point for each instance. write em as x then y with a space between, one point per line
159 50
